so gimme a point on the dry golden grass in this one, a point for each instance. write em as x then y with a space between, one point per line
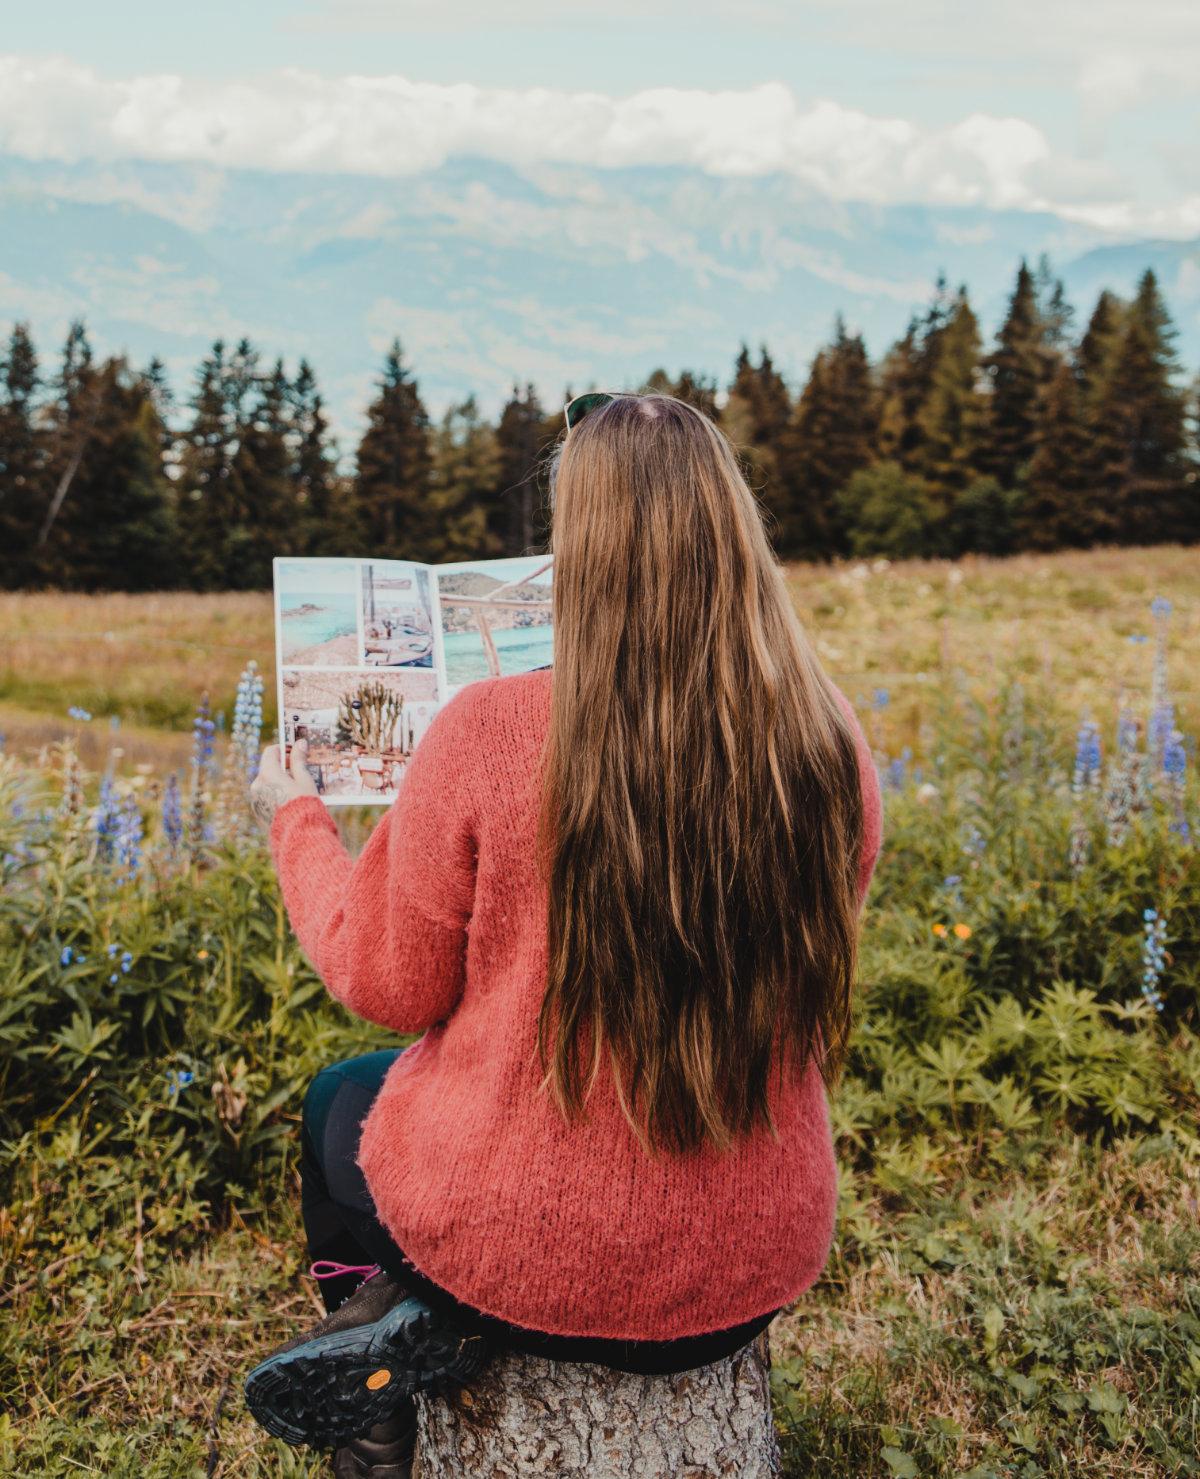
1062 621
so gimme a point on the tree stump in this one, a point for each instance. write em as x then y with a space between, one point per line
525 1416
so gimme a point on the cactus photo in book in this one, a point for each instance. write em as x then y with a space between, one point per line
361 729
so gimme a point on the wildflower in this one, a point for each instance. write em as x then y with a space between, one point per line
940 931
1087 757
1174 764
880 698
1137 638
1162 710
1086 777
1154 956
172 813
247 719
963 931
126 963
106 820
128 843
67 956
177 1080
82 715
202 754
974 842
112 950
201 954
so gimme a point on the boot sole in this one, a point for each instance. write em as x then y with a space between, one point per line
337 1387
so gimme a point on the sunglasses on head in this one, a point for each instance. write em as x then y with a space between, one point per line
579 406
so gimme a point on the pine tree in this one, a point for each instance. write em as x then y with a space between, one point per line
313 470
270 521
697 390
953 417
905 380
209 506
70 423
22 488
831 437
518 511
392 487
1056 507
757 416
466 465
1147 481
1017 369
115 529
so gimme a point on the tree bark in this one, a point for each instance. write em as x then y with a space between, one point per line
524 1416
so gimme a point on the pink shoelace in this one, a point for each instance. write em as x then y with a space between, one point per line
325 1268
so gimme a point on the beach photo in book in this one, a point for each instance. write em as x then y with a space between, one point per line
318 612
496 617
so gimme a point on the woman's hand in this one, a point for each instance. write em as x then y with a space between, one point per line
273 786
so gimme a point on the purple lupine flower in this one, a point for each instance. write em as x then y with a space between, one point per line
202 755
1174 766
128 843
172 812
106 820
247 720
1154 956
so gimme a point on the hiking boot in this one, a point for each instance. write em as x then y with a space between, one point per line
353 1370
386 1452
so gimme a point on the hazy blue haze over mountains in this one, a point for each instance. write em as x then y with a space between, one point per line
490 276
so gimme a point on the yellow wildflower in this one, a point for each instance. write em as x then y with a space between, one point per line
939 930
963 931
201 954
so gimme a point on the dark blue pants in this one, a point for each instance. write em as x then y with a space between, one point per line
341 1225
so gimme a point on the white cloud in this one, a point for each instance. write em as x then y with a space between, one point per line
390 126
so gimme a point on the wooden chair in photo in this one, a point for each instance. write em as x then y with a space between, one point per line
374 774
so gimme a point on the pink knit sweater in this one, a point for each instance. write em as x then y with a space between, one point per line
439 928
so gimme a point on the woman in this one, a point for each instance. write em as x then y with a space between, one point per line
620 902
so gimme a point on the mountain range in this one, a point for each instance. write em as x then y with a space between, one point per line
489 275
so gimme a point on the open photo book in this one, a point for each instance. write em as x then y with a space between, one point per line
367 651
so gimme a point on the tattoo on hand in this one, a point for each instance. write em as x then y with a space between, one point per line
266 799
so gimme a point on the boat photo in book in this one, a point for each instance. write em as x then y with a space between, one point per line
397 615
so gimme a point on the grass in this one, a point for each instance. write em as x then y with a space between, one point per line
1015 1286
1062 621
1043 1323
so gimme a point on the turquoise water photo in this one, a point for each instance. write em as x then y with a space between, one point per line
313 621
520 649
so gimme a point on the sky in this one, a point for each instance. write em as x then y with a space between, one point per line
1089 108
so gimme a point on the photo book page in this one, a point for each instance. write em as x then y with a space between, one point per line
367 651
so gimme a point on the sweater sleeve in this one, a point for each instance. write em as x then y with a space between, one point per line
387 933
872 800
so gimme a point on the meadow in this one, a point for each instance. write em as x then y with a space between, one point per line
1015 1285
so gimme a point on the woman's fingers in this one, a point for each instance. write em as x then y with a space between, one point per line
269 766
300 773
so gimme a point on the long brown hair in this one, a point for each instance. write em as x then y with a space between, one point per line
701 806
